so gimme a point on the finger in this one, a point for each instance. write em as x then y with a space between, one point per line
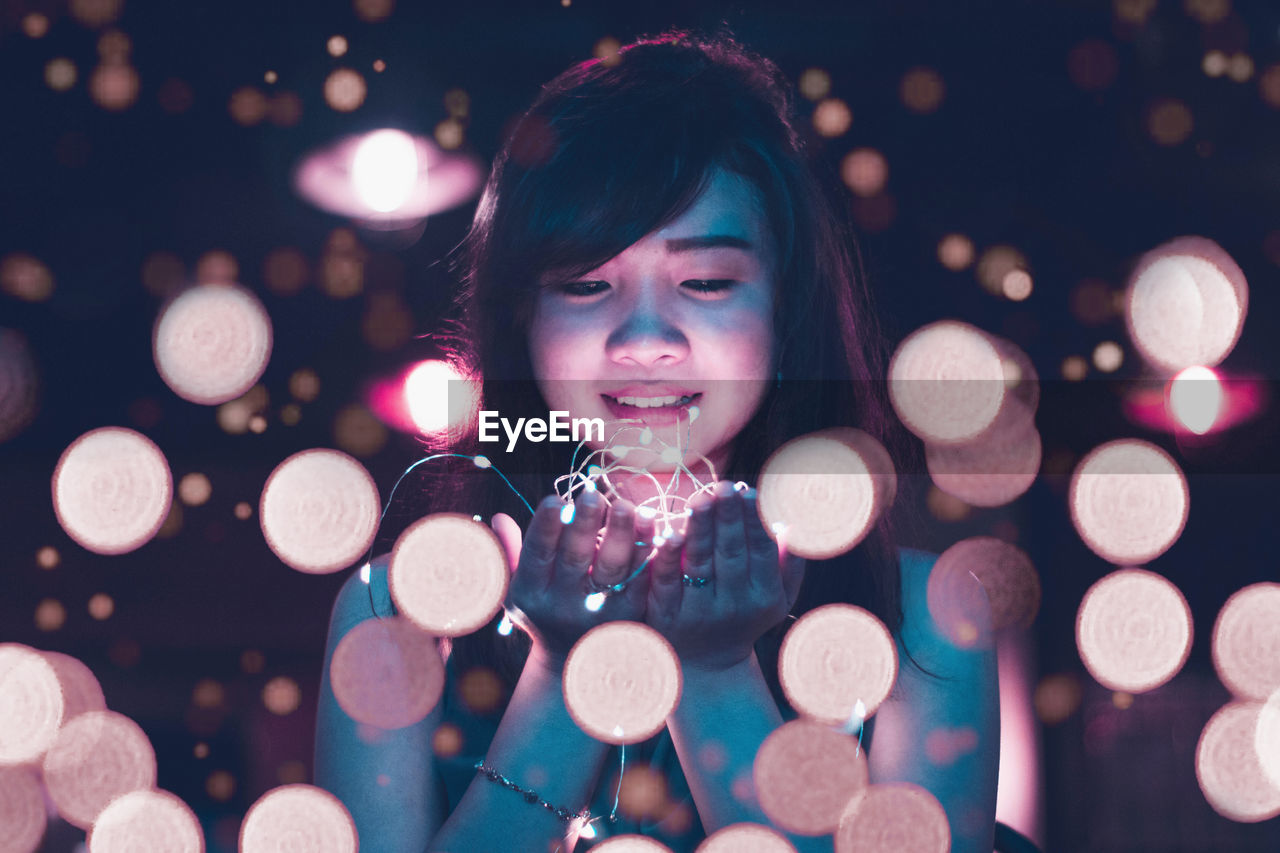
578 541
508 533
613 560
764 562
539 547
700 539
731 565
793 567
666 575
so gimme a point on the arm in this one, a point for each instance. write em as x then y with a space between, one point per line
726 709
539 747
723 717
966 697
402 811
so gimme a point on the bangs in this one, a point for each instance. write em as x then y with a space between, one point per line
610 154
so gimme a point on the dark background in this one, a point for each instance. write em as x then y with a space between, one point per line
1028 148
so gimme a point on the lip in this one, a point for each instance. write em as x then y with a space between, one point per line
650 391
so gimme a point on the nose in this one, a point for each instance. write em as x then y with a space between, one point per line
647 336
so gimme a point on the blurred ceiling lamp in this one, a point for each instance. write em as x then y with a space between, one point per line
387 179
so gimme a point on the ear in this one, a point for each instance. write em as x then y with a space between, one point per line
508 533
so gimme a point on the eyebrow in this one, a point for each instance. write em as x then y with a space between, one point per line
711 241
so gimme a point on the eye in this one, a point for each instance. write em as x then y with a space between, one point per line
701 285
582 288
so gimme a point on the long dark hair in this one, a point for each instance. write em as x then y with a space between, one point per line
611 150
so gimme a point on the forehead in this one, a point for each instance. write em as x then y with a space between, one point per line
729 206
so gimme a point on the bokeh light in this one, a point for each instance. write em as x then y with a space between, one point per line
1133 630
834 657
1169 121
1196 399
621 682
955 252
832 117
32 707
448 574
1186 304
98 756
337 45
1246 642
212 343
1092 65
194 489
805 774
1057 697
345 90
114 85
281 695
387 673
1108 356
1228 767
893 817
60 74
826 490
146 820
995 264
864 171
48 557
1005 572
101 606
299 817
746 838
319 511
922 90
112 490
25 277
50 614
1129 501
947 382
22 811
815 84
358 432
438 397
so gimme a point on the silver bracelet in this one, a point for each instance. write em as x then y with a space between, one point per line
531 796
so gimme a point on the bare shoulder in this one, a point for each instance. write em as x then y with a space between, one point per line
364 595
925 642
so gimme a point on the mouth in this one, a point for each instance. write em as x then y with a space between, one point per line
653 410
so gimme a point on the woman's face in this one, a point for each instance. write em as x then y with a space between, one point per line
687 311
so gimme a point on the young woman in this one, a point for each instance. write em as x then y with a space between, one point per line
654 228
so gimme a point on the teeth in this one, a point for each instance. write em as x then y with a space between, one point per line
653 402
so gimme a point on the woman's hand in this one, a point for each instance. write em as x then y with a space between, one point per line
752 582
548 591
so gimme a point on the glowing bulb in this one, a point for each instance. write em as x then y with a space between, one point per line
385 169
646 437
504 626
658 540
593 471
646 512
589 486
620 451
476 518
694 411
588 831
671 454
1195 396
566 514
594 601
364 573
432 405
860 710
482 461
